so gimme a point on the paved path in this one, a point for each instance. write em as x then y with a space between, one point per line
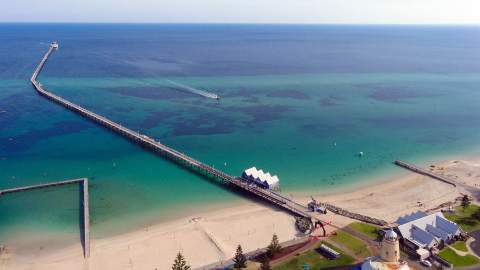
474 243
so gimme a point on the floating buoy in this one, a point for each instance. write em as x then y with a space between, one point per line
225 164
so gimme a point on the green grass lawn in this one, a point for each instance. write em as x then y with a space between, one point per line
466 218
367 229
458 261
315 260
460 245
355 245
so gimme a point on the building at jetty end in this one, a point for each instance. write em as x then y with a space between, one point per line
261 178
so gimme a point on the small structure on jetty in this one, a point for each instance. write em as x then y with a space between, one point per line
261 178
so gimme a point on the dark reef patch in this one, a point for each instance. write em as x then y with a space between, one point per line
247 95
203 124
399 94
328 102
123 109
155 118
158 93
262 113
13 106
293 94
24 141
242 92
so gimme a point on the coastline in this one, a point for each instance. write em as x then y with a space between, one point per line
249 223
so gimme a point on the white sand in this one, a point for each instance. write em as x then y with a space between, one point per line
210 237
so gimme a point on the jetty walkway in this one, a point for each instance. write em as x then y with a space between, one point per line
172 154
85 228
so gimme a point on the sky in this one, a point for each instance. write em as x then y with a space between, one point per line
244 11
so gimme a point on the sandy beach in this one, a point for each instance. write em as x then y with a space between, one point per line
213 236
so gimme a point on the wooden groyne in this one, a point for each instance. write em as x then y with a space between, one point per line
169 153
360 217
86 219
52 184
419 170
85 206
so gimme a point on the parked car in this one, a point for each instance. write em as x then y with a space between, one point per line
426 263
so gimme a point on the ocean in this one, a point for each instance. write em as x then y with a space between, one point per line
299 101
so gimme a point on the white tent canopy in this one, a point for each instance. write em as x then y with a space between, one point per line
261 177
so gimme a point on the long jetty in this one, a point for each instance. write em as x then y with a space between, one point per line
170 153
419 170
85 199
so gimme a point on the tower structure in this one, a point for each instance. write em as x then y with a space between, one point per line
390 248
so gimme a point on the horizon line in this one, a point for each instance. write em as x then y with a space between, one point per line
246 23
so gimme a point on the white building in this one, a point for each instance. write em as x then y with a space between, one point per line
422 231
261 178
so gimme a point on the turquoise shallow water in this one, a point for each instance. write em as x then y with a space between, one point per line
304 123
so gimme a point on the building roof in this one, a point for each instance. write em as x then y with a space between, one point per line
411 217
391 235
426 231
260 175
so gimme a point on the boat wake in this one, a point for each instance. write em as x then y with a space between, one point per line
194 90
